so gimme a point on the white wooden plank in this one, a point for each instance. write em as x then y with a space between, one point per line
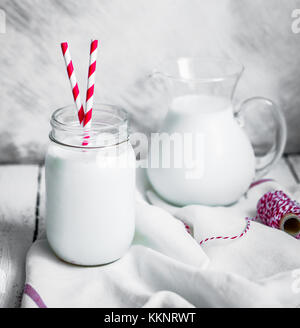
282 173
294 162
18 190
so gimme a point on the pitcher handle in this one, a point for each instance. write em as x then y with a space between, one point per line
274 154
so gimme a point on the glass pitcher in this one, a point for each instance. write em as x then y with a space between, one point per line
202 119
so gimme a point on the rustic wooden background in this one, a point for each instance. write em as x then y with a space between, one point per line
135 35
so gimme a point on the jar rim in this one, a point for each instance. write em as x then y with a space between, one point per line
55 123
109 127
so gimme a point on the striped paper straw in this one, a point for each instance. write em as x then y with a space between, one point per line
91 84
74 85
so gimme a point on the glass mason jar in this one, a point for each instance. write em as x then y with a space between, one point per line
90 186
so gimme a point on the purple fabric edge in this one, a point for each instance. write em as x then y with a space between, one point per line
34 295
258 182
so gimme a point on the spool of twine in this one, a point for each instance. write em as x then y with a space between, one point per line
279 211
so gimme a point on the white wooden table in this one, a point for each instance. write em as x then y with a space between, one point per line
22 218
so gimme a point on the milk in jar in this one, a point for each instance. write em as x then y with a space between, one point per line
90 189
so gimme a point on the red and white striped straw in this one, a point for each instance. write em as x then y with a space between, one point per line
91 84
72 77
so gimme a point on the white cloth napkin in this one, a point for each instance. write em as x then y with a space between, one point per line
166 266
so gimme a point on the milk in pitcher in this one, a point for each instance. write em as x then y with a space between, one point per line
224 161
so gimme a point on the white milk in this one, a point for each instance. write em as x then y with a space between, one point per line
224 162
90 203
90 190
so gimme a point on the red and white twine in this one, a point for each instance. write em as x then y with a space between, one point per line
188 229
229 237
272 208
275 207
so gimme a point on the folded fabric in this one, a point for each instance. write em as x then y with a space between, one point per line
167 267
